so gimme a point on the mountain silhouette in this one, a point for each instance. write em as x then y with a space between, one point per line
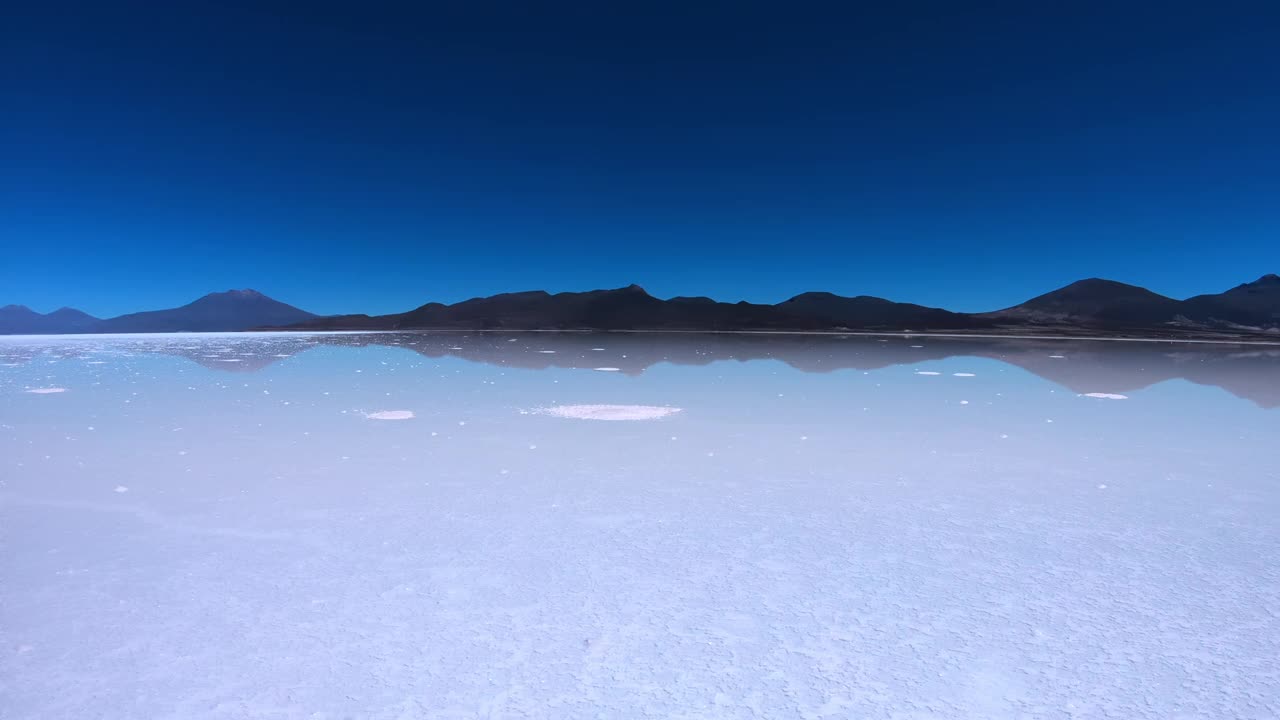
873 313
1255 304
632 308
22 320
216 312
1092 303
224 311
1093 306
1106 305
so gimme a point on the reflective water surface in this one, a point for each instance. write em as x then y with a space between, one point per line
637 526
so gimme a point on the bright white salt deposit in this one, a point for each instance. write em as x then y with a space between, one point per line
390 415
1107 396
963 374
1060 357
547 352
927 372
121 489
598 349
606 369
47 391
610 412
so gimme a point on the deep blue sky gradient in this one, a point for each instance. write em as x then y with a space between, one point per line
372 156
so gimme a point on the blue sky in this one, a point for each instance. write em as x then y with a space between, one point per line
376 156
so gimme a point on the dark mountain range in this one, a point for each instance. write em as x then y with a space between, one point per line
875 313
1087 307
225 311
231 310
631 308
1112 307
1255 304
1094 303
22 320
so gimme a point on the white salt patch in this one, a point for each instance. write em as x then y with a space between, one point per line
610 412
47 391
964 402
963 374
917 346
1107 396
121 489
455 348
228 360
1060 357
1102 487
606 369
598 349
547 352
927 372
390 415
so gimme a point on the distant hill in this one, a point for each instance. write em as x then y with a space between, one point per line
1255 304
22 320
631 308
1088 307
224 311
1106 305
1092 303
873 313
1093 306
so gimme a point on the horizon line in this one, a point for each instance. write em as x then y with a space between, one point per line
247 290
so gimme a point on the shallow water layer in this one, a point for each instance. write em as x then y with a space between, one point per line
714 526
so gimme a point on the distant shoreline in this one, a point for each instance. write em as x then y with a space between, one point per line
1225 340
1252 341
